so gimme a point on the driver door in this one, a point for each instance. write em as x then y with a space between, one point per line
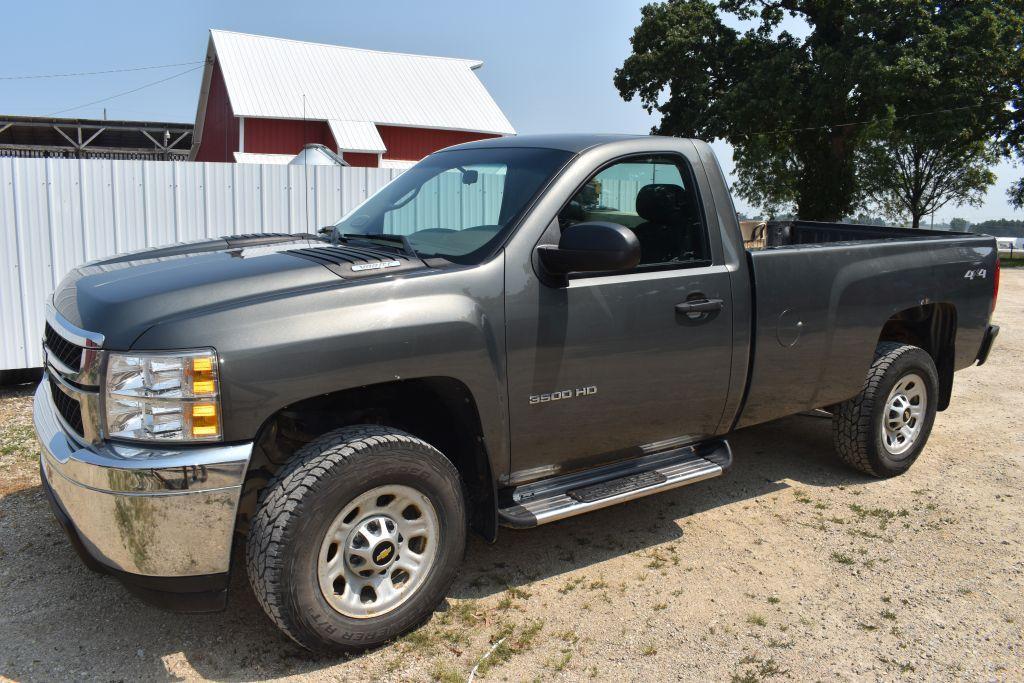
607 368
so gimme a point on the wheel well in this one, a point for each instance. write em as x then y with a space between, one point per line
439 410
931 327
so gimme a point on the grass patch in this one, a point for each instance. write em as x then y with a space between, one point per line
756 620
559 663
759 671
842 558
443 672
512 642
883 515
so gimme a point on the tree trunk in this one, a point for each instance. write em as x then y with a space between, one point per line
827 184
916 221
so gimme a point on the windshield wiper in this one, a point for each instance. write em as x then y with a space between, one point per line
383 237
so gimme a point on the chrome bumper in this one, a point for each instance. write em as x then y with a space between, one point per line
154 512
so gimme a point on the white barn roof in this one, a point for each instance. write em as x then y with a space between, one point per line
350 88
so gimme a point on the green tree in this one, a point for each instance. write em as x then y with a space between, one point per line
959 225
1016 193
801 111
913 175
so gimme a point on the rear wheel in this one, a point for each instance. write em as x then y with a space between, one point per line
357 539
882 430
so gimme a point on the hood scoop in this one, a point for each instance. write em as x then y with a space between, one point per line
357 262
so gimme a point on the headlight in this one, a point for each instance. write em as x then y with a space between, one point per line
163 396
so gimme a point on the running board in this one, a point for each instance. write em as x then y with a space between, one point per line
572 494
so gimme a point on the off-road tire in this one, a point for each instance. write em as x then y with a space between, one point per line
857 423
301 502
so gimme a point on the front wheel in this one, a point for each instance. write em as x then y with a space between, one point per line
883 429
357 539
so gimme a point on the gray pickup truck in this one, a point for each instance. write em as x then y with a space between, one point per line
512 332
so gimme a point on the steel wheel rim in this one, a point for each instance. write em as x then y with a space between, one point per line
904 413
378 551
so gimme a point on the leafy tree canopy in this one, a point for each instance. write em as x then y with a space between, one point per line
800 111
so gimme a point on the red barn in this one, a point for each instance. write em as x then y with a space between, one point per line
263 98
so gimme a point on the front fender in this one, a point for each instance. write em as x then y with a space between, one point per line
283 349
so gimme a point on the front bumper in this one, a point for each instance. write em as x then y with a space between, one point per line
161 520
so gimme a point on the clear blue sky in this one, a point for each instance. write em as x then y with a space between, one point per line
548 64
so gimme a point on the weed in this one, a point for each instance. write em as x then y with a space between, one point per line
559 663
780 644
571 585
841 558
756 620
887 614
568 636
419 640
510 643
444 672
508 600
649 650
883 515
759 671
772 600
660 606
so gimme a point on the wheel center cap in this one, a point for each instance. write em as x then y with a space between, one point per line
384 553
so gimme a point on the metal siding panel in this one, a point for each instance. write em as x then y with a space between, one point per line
32 223
275 198
246 179
14 351
158 188
97 208
128 200
190 201
66 231
298 198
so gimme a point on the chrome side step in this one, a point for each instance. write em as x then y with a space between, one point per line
572 494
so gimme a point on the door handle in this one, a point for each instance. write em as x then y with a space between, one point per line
699 306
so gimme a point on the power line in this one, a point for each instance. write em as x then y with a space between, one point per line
870 121
98 73
127 92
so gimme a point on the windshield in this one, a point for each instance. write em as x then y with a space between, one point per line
456 205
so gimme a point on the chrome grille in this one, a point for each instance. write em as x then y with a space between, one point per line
69 408
67 353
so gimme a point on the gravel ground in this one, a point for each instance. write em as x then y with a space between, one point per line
789 567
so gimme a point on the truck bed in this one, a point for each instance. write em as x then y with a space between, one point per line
824 291
773 234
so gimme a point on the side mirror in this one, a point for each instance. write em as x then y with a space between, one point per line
591 247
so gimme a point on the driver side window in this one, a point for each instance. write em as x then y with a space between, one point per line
656 198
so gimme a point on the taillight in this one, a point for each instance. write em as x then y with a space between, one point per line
995 287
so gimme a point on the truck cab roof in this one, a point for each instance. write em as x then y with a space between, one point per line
569 142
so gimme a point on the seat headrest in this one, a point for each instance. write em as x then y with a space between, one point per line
661 203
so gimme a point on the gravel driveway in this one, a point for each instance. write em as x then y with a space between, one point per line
789 567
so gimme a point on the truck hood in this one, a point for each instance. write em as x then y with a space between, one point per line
124 296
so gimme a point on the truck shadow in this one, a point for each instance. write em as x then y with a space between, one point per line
64 619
